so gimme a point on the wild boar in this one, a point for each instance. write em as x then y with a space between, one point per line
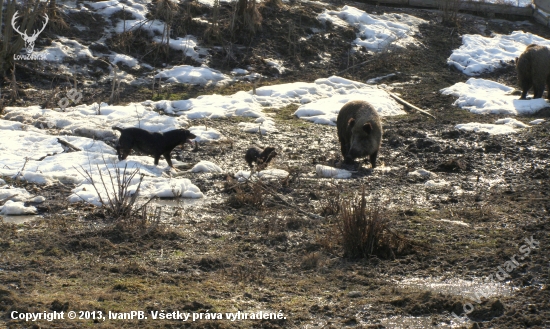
359 131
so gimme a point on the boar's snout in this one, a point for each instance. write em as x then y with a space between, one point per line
354 154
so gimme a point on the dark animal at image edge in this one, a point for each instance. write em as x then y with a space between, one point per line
359 131
155 144
255 155
533 68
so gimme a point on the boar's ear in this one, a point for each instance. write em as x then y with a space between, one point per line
516 60
367 128
351 123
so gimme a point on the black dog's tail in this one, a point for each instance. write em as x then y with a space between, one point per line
117 128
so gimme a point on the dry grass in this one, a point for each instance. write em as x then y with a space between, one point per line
249 193
119 202
365 230
311 261
247 16
164 10
330 203
449 9
213 32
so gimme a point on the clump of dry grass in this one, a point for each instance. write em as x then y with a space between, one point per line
119 202
311 261
164 10
213 31
247 16
249 193
449 10
330 204
365 230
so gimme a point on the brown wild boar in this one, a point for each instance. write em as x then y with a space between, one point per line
359 131
533 67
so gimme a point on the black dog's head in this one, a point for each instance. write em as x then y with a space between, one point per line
122 153
190 136
181 135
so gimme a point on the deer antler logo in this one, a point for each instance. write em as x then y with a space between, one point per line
29 41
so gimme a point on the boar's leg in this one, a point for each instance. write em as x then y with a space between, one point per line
372 159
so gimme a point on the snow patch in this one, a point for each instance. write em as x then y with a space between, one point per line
16 208
376 32
479 54
330 172
482 96
193 75
206 166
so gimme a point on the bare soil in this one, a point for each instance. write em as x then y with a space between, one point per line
249 250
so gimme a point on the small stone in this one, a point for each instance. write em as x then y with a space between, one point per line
354 294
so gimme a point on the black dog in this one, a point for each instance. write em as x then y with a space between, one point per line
155 144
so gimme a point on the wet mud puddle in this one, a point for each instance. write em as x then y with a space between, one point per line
445 286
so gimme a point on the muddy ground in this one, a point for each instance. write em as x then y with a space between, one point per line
253 249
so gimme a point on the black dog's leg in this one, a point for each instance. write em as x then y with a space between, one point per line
168 158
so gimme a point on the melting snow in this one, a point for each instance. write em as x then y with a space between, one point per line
376 32
479 54
422 173
243 175
193 75
322 100
482 96
329 172
206 166
16 208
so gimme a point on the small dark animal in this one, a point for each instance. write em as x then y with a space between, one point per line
533 67
260 157
359 131
155 144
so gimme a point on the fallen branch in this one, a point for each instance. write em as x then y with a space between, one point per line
365 62
409 105
19 173
68 145
47 155
8 198
288 204
274 194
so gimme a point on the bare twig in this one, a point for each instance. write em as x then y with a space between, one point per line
365 62
409 105
8 198
288 204
23 168
67 144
